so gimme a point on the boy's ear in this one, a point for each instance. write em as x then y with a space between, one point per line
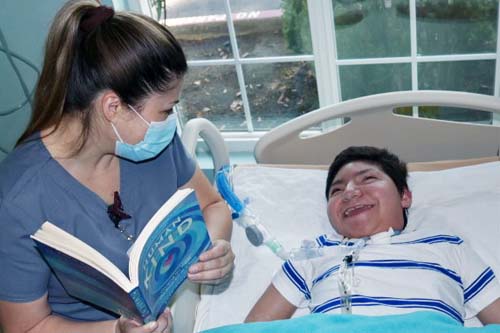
110 104
406 198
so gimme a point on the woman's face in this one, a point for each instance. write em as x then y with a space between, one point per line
156 107
363 201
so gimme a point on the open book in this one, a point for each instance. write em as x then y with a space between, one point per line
159 259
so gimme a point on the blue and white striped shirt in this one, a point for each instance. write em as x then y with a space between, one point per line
399 274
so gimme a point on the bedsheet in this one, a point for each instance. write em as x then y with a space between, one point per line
417 322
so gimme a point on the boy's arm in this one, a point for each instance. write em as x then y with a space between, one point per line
271 306
490 314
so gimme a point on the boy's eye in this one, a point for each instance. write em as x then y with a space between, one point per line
334 192
369 177
168 112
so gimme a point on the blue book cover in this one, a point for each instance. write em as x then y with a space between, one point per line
170 243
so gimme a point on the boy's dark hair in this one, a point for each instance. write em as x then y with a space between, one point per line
390 164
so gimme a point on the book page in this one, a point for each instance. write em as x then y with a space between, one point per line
68 244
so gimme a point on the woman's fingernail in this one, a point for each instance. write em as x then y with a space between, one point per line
151 325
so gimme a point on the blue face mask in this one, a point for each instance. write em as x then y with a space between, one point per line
157 138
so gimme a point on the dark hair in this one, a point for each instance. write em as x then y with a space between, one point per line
390 164
130 54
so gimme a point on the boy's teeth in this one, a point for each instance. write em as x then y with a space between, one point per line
350 210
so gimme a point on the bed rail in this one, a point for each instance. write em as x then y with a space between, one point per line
203 128
372 122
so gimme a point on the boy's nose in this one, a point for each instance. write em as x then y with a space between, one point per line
351 191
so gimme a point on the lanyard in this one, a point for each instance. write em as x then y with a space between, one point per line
346 279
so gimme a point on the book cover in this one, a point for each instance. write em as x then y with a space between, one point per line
170 243
169 252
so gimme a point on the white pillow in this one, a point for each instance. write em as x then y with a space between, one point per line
291 203
465 201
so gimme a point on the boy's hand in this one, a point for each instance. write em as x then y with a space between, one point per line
214 265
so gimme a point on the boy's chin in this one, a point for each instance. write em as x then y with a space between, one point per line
356 229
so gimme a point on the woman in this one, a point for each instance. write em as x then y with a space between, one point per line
99 157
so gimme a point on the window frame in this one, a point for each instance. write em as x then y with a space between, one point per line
326 62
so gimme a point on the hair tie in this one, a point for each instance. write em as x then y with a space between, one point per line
95 17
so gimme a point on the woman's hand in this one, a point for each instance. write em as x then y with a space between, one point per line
162 325
214 265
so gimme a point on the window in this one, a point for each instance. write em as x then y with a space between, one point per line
251 66
390 45
256 64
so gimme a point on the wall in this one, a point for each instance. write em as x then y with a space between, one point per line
24 24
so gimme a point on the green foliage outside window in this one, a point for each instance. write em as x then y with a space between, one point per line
160 8
456 9
296 29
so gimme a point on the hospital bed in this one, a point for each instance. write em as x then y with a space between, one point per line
455 179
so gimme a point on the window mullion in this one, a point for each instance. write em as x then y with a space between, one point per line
496 91
324 44
325 51
413 51
239 69
143 6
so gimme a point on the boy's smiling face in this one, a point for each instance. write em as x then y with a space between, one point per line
363 201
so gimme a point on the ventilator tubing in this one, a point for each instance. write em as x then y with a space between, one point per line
256 232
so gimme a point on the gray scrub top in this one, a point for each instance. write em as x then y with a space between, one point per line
35 188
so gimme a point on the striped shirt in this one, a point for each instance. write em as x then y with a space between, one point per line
394 275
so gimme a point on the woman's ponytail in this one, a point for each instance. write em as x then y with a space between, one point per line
60 51
90 49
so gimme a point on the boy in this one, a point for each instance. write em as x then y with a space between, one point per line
379 268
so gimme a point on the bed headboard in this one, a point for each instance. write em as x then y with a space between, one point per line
373 122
